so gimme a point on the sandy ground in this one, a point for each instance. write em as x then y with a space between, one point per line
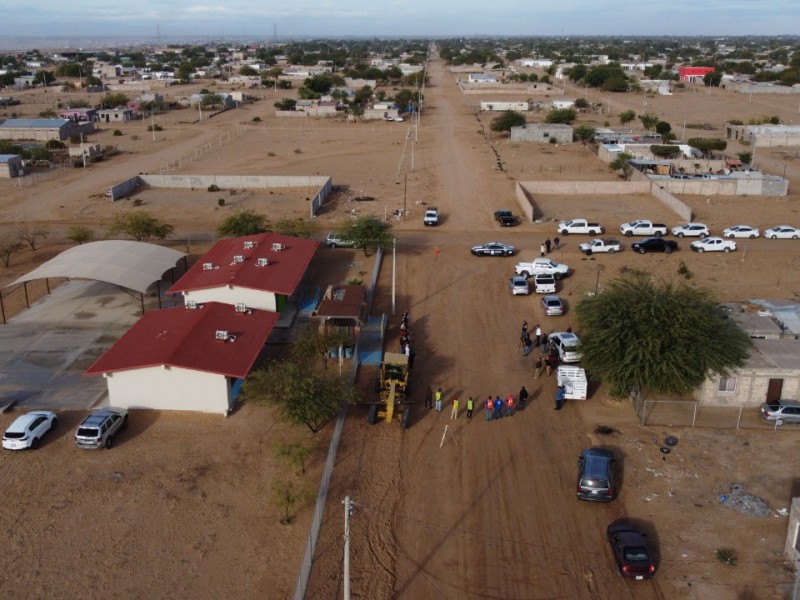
489 514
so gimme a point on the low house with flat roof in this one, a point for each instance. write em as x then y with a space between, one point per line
259 271
115 115
192 358
43 130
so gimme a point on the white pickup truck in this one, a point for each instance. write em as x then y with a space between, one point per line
644 228
541 265
609 245
579 226
431 217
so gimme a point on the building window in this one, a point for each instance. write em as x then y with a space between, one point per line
727 384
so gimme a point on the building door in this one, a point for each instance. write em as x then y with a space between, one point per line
774 390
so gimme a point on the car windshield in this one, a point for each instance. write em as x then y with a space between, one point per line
636 553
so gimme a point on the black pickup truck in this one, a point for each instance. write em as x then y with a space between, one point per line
506 218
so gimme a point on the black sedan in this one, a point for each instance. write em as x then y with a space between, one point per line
654 244
630 551
494 249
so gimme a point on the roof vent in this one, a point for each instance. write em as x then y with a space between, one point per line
224 336
249 245
278 247
238 258
262 262
241 307
192 304
208 266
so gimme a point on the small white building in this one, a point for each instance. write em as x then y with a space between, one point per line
563 103
501 106
260 271
481 78
185 358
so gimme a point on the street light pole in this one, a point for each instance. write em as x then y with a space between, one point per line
394 274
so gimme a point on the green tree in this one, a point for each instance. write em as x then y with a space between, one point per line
585 133
649 120
561 115
248 71
301 395
707 145
577 73
655 336
44 78
242 223
115 99
286 104
665 151
621 164
712 79
296 452
506 120
367 232
314 344
745 157
79 234
626 117
581 103
140 225
663 128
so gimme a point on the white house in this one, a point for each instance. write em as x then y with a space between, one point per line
260 271
185 358
481 78
563 103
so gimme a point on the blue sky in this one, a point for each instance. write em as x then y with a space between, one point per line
327 18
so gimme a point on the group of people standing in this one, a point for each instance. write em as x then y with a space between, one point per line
496 407
547 245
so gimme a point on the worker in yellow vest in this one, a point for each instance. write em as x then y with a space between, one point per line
470 407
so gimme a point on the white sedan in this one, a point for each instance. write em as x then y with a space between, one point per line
783 232
713 244
27 431
741 231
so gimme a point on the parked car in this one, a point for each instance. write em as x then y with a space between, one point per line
431 217
783 232
519 286
781 411
544 283
542 265
630 551
654 244
596 476
568 346
609 245
503 212
741 231
579 226
643 227
494 249
713 244
552 306
28 430
690 230
335 240
509 221
99 428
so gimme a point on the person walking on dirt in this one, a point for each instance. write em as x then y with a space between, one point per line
470 407
523 397
429 398
510 405
556 242
498 408
560 395
438 397
537 368
489 408
538 333
527 344
547 245
542 250
552 362
454 411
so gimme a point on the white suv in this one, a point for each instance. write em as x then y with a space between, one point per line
335 240
568 346
691 230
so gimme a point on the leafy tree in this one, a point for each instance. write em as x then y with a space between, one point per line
620 164
577 73
367 232
140 225
315 344
581 103
585 133
649 120
506 120
665 151
656 336
616 84
404 97
295 227
663 128
9 245
43 78
301 395
561 115
707 145
296 452
211 101
79 234
712 79
242 223
626 117
287 495
248 71
286 104
745 157
115 99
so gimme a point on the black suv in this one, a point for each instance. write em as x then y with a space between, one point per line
596 475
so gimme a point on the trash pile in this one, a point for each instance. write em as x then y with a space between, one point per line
745 503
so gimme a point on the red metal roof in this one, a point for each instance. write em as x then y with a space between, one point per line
187 338
238 262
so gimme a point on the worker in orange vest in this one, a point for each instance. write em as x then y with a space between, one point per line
489 407
510 405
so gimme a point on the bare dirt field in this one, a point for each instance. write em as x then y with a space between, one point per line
183 507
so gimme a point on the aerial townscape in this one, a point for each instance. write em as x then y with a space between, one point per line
365 314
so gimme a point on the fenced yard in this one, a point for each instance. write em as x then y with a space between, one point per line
688 413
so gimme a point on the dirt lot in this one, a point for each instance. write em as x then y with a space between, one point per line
489 514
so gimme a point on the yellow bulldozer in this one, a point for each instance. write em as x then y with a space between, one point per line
392 386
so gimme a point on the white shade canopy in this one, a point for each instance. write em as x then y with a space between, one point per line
128 264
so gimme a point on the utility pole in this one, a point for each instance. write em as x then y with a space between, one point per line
83 153
394 274
348 508
405 192
152 125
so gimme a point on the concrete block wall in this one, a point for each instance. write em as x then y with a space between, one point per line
793 534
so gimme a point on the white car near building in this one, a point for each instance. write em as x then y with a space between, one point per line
713 244
27 431
782 232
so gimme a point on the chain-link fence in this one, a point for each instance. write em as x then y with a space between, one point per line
688 413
